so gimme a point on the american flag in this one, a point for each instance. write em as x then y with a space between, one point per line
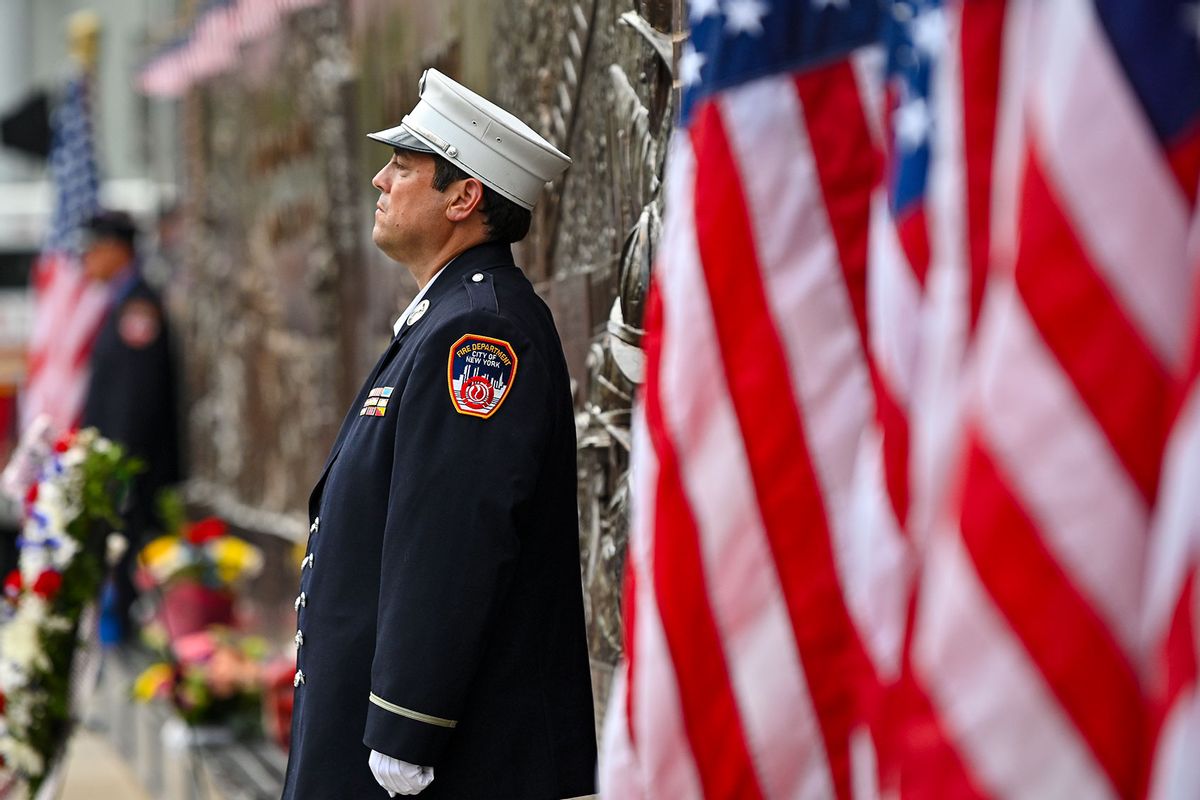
1171 614
1029 638
747 669
68 309
214 43
898 524
1171 608
165 73
211 44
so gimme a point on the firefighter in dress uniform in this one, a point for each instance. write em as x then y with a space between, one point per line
440 640
131 391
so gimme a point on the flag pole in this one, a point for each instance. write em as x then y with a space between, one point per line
83 39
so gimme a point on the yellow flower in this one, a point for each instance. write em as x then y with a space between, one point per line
234 558
152 682
163 556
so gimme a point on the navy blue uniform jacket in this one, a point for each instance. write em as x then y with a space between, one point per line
131 393
440 618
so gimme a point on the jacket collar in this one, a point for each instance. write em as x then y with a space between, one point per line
480 258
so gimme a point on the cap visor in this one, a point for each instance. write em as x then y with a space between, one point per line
399 137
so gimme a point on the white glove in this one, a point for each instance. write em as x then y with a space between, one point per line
399 777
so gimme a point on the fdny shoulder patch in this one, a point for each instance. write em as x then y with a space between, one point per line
139 324
480 372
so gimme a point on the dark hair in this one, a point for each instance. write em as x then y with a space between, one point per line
506 221
110 224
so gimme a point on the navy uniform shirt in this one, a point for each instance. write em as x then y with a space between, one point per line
440 614
131 393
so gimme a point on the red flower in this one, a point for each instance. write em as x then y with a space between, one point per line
12 585
65 441
47 584
3 703
32 495
206 529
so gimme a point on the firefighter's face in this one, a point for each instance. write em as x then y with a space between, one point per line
410 215
104 258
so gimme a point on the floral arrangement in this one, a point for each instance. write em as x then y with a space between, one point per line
203 552
279 698
72 488
216 677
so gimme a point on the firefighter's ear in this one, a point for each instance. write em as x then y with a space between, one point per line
464 197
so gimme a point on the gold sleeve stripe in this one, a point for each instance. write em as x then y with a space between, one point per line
417 715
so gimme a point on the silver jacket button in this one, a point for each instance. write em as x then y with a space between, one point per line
299 679
477 277
299 639
315 526
308 561
301 601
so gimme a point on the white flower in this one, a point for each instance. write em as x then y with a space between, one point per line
19 639
19 710
21 757
73 457
35 559
12 679
33 531
52 501
49 517
64 554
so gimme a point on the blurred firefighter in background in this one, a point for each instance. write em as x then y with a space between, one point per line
131 395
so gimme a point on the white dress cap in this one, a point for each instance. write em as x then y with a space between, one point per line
478 136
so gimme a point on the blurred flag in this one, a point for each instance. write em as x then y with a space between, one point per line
1028 636
898 525
211 44
952 51
881 544
747 670
257 18
165 74
899 253
214 38
68 309
1171 617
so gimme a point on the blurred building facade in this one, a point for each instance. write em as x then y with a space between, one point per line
134 136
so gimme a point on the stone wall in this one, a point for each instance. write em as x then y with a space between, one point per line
271 279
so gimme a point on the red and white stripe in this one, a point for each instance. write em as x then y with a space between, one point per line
754 627
1027 635
960 209
257 18
213 44
1172 616
68 313
1171 612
